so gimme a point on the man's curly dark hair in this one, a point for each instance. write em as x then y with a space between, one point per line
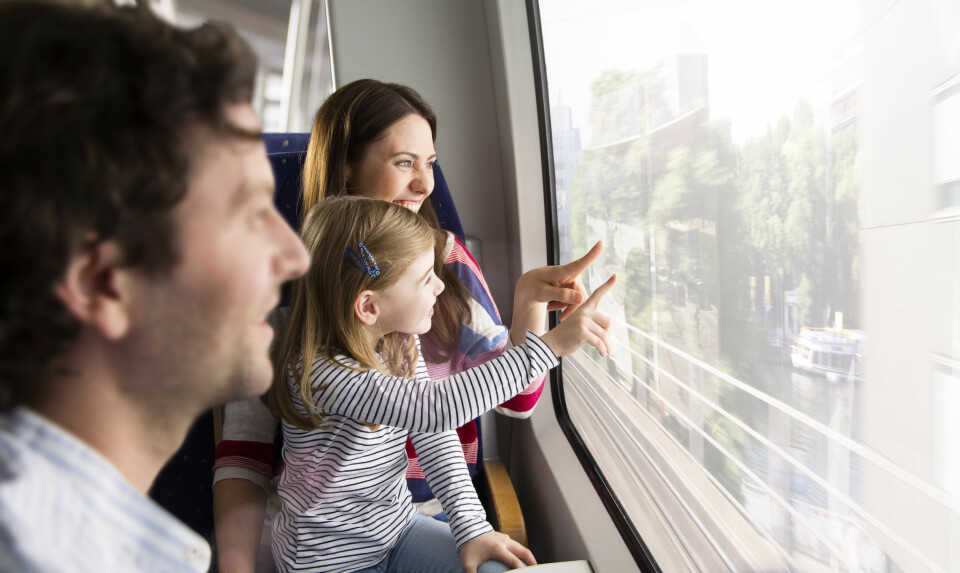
97 109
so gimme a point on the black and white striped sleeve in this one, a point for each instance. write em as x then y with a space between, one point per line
441 458
424 405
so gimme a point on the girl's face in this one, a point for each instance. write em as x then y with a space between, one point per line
407 305
399 166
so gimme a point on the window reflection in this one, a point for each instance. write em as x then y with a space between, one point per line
780 194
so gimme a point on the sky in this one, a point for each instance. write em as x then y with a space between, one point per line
763 55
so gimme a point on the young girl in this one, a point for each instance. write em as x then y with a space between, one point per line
350 386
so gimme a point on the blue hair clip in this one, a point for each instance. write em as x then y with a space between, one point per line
364 261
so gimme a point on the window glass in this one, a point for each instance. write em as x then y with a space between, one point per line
777 185
289 37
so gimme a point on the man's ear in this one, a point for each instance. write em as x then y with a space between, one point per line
94 289
367 307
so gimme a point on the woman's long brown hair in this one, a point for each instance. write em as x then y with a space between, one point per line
352 118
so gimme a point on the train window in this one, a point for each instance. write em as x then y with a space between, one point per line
778 188
290 38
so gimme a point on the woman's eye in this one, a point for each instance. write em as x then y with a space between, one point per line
430 165
404 163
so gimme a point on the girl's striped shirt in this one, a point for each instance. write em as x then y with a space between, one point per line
345 500
247 449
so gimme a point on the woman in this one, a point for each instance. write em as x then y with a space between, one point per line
376 139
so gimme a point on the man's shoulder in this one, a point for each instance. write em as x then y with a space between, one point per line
41 502
63 507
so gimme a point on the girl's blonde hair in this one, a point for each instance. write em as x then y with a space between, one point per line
322 317
349 121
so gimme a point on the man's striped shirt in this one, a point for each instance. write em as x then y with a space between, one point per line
65 508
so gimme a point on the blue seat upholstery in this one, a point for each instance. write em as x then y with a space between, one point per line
286 142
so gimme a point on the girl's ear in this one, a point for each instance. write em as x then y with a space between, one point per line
367 307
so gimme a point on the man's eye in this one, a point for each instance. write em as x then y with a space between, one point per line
260 215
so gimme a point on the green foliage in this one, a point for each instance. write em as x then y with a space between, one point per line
734 441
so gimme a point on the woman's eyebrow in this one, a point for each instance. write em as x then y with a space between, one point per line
411 154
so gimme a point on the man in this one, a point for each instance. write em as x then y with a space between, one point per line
141 253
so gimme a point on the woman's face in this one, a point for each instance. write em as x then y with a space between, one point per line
398 167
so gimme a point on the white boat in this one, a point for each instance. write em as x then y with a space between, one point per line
829 352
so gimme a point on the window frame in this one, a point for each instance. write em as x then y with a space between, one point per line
631 537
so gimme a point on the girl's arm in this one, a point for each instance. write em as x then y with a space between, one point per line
424 405
441 459
442 462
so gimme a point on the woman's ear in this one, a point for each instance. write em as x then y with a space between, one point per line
367 307
93 289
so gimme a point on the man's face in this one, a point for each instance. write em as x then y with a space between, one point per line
199 333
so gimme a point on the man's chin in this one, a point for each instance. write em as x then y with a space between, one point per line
253 382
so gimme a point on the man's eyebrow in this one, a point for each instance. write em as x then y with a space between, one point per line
246 191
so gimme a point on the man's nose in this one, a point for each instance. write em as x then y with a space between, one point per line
294 260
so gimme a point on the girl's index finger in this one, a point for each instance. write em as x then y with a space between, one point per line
601 291
579 265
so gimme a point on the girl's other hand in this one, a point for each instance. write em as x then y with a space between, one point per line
558 286
586 325
496 546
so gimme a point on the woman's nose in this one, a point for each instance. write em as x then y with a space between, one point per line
422 181
438 288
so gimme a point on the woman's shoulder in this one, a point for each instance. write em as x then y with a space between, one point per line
456 252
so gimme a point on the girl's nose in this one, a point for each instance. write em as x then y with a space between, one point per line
438 288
